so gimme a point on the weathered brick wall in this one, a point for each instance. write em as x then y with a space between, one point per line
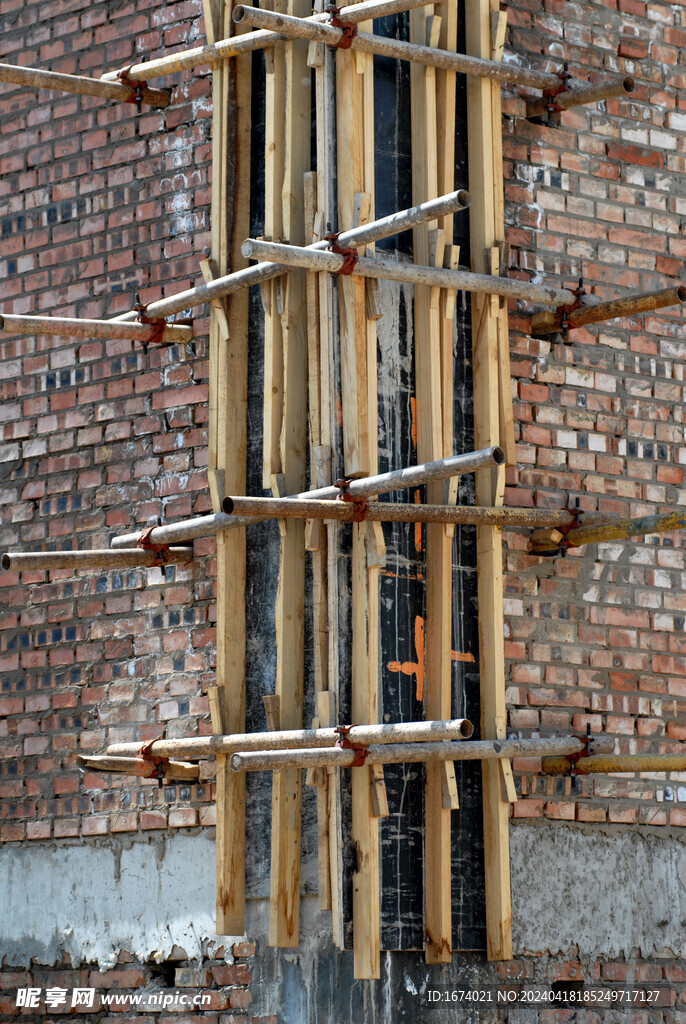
132 990
600 193
97 204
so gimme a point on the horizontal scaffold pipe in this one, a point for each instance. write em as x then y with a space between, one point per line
411 273
247 43
631 305
143 766
578 96
365 234
82 86
390 512
123 558
71 327
304 28
292 739
623 529
382 483
406 753
599 763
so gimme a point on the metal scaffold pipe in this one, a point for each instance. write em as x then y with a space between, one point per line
144 767
126 92
631 305
579 95
412 273
36 561
407 753
287 739
234 46
383 511
305 28
623 529
608 764
363 235
72 327
382 483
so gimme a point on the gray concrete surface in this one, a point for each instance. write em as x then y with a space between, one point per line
576 890
601 891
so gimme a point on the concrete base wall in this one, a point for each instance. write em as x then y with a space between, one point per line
598 891
591 892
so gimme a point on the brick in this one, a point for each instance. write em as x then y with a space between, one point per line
233 974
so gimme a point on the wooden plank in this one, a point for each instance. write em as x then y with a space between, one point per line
433 361
327 464
379 795
365 829
507 437
506 413
272 711
326 714
316 540
274 156
351 113
227 446
451 799
290 599
485 183
355 124
219 312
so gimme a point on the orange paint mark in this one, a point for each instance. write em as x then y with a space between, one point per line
413 421
414 668
339 410
403 576
417 527
461 656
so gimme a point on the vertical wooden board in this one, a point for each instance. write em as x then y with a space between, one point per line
290 600
325 95
484 176
355 147
274 158
366 906
350 99
228 417
430 444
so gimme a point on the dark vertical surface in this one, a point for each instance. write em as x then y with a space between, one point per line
402 579
402 582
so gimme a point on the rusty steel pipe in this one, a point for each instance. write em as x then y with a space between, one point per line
549 323
385 511
408 753
35 561
286 739
236 45
607 764
382 483
577 96
624 529
81 85
141 766
72 327
384 227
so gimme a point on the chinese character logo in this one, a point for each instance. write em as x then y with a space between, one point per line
55 997
28 997
83 997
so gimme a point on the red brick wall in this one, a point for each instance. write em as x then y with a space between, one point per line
599 637
96 204
198 990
